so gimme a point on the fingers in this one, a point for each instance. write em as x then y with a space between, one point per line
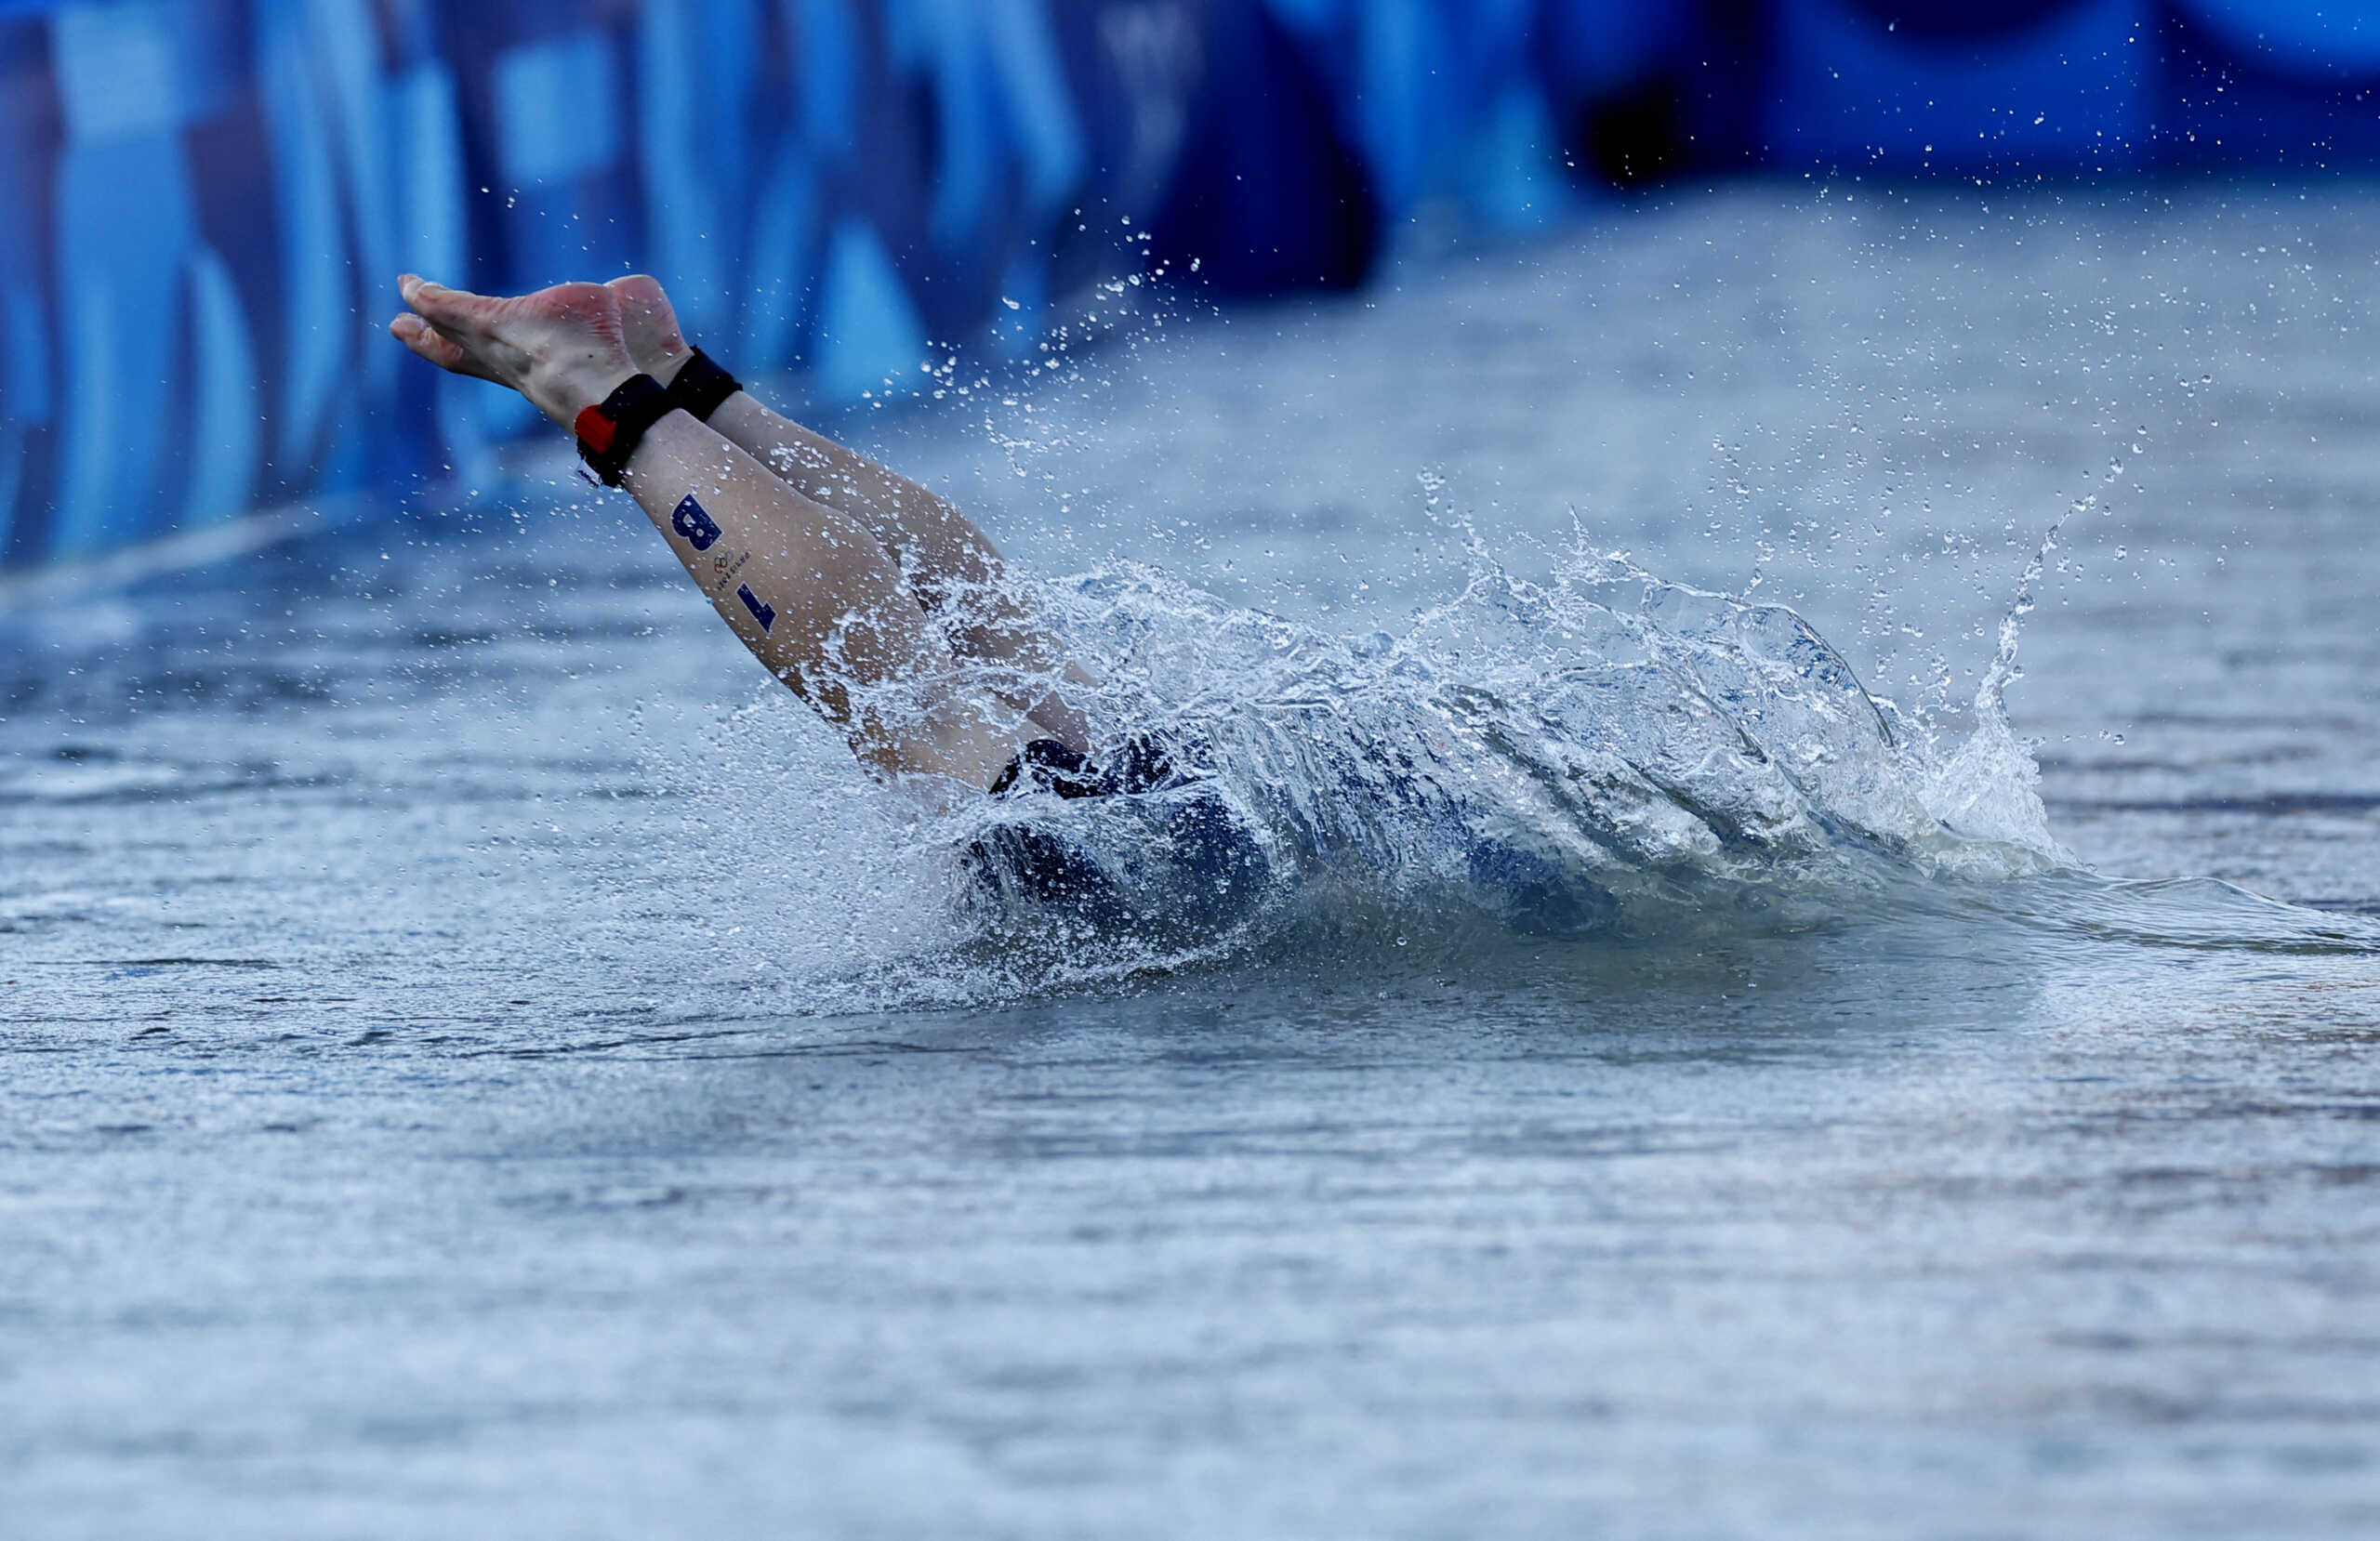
443 307
433 303
464 317
427 342
446 327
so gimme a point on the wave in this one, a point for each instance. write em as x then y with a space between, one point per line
1603 752
1599 759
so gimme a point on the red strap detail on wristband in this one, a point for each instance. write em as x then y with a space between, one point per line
609 432
594 428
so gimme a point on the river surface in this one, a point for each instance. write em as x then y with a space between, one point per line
475 1058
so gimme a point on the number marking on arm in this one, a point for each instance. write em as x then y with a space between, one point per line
692 520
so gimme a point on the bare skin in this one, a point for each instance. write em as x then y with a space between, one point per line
808 588
955 572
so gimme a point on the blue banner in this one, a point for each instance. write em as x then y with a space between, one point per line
208 199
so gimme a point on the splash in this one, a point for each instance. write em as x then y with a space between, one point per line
1600 761
1600 753
1990 787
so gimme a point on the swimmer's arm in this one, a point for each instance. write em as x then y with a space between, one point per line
816 598
956 572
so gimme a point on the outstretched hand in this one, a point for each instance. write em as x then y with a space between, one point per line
562 347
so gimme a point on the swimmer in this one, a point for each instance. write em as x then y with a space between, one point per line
872 598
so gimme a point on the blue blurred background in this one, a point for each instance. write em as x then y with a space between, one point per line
206 199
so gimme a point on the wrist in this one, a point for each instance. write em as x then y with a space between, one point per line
568 389
609 432
667 367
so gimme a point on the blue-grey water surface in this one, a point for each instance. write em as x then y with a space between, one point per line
480 1061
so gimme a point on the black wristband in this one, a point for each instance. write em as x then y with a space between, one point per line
609 432
702 387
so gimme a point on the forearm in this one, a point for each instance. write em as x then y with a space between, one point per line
921 526
815 597
955 572
812 593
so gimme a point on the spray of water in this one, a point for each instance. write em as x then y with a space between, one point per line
1600 755
1989 788
1600 758
1596 758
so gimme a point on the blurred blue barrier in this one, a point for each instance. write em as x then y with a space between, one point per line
2061 86
2282 83
208 199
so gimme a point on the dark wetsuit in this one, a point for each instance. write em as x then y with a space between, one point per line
1141 764
1186 861
1195 859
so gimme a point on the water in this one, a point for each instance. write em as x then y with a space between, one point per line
477 1058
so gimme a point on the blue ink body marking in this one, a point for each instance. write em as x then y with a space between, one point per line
761 611
692 522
